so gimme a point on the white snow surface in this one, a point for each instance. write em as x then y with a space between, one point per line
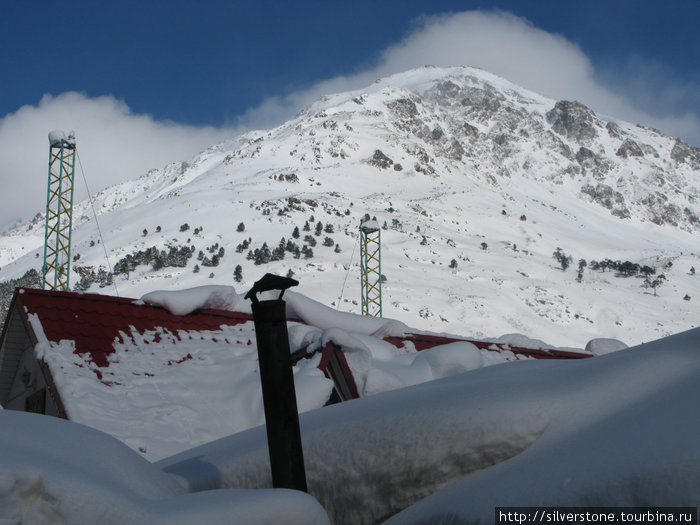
56 137
166 392
298 307
55 472
616 430
163 393
489 184
479 163
183 302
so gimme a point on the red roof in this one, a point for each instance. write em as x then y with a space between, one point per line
95 321
425 341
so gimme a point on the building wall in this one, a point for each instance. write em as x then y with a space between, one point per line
29 387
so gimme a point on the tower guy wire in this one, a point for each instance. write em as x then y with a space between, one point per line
97 222
352 257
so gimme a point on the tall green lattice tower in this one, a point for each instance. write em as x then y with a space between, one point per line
59 211
371 268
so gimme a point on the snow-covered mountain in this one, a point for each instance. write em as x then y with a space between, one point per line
485 192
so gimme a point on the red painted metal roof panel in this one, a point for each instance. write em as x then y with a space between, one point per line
425 341
96 321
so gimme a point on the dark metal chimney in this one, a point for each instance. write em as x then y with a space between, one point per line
279 396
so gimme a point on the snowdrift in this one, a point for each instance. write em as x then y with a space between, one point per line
81 476
617 430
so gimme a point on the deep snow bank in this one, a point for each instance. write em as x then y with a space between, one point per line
620 429
57 472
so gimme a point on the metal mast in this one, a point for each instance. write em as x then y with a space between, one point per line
371 268
59 211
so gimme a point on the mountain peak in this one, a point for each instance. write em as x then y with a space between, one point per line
475 181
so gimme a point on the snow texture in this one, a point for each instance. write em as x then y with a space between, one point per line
482 172
56 137
166 392
617 430
604 345
59 138
163 392
480 163
54 472
183 302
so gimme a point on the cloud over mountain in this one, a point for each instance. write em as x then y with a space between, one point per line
511 47
117 145
114 145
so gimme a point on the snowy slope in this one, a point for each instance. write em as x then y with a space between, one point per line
462 166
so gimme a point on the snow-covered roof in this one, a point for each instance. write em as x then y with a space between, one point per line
176 369
618 430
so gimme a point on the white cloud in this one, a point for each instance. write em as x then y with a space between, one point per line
113 143
116 145
511 47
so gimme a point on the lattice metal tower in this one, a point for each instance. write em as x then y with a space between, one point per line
59 211
371 268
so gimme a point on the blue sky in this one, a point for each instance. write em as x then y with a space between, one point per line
207 62
166 79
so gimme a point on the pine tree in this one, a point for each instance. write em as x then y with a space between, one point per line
563 259
654 283
238 274
263 255
581 265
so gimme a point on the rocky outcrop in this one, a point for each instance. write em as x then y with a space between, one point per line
606 196
573 120
683 152
380 160
628 149
592 163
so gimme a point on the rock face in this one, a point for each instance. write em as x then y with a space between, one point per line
491 130
683 153
628 149
573 120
